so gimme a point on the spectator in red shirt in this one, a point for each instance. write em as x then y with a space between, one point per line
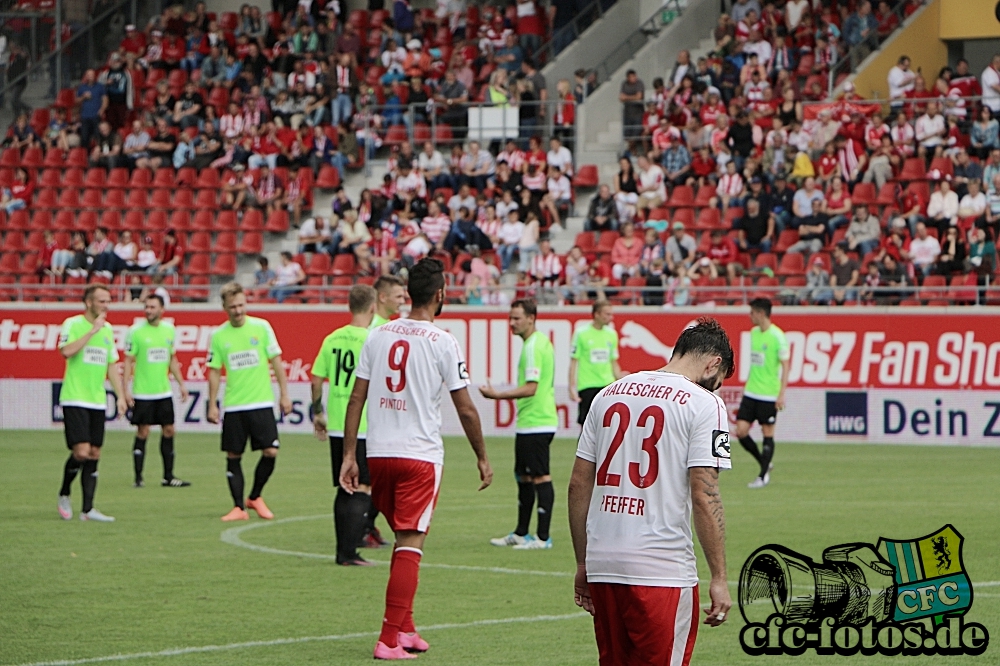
18 195
723 253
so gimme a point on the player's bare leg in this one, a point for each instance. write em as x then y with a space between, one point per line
265 466
398 636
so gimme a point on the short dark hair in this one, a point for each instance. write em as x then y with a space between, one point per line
262 260
761 305
360 299
527 304
426 279
386 282
91 288
598 306
707 338
157 297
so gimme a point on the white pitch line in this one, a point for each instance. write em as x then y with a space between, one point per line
232 537
175 652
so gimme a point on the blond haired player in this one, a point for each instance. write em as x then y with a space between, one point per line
651 449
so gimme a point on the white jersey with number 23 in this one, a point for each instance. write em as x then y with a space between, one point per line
406 362
644 432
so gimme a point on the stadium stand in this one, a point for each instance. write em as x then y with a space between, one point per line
223 148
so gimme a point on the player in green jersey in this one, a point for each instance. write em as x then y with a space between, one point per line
391 291
335 363
150 358
593 362
537 422
247 348
87 342
764 393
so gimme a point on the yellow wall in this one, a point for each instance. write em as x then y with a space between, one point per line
918 40
969 19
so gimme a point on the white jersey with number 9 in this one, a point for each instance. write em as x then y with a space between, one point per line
406 362
644 432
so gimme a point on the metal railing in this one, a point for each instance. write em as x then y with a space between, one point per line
856 54
57 60
568 33
647 31
703 296
485 123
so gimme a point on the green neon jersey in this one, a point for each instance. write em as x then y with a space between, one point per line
83 382
595 351
537 413
377 321
767 350
337 358
245 353
152 347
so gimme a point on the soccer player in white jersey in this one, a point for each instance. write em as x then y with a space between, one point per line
651 449
402 368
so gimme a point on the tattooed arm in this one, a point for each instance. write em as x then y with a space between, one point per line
710 523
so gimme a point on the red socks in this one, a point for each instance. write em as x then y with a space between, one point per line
403 577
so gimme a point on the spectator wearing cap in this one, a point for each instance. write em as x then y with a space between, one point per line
942 209
603 212
808 218
817 290
864 232
922 251
680 247
755 227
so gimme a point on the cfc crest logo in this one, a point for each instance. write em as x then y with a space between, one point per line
905 597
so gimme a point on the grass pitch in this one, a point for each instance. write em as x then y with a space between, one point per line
161 578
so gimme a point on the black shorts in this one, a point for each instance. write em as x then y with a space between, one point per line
531 453
337 459
83 424
153 412
761 411
587 396
257 424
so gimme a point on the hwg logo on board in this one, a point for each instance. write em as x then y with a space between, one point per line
905 597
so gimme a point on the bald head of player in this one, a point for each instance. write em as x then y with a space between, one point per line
703 354
426 287
154 309
234 302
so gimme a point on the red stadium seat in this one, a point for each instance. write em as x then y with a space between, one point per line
69 199
913 169
328 179
141 178
78 158
73 178
396 135
161 200
35 242
225 243
96 177
156 220
786 239
206 200
114 199
19 219
11 157
41 220
118 178
204 220
199 241
86 221
208 179
111 220
864 194
251 243
134 221
587 177
65 220
252 220
225 264
681 197
48 198
343 264
138 199
201 294
708 219
33 158
54 159
277 222
199 263
164 178
606 241
226 221
319 264
585 241
13 242
792 263
180 220
50 178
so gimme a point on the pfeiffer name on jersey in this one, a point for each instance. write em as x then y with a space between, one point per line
779 636
654 391
633 506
